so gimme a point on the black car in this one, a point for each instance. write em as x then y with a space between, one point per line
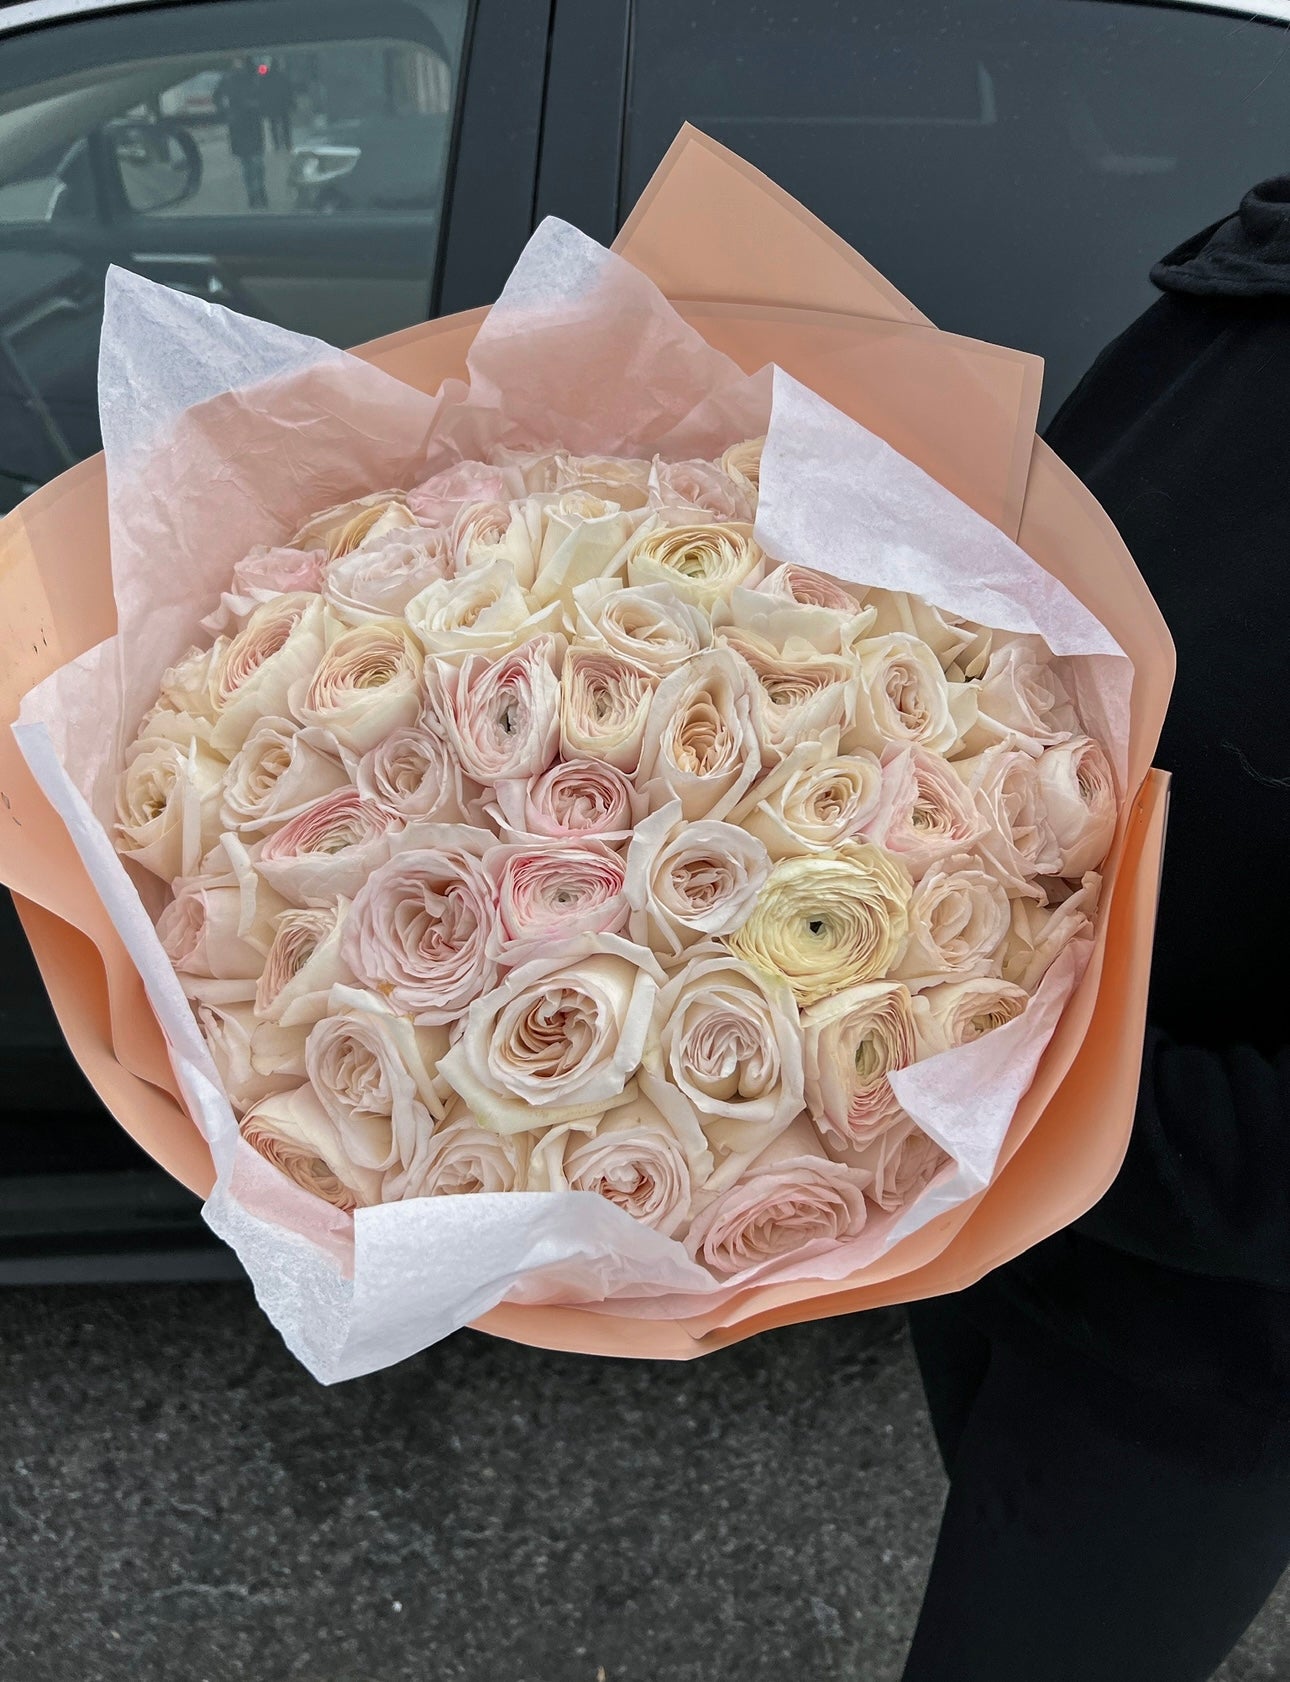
1014 166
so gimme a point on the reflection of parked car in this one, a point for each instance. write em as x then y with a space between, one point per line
371 163
193 100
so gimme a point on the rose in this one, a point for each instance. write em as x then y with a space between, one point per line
958 1012
278 771
905 698
482 612
651 626
560 1039
701 563
167 806
373 1073
799 692
220 926
329 849
635 1158
809 588
294 1132
192 685
850 1042
302 965
525 471
419 927
701 485
269 572
958 918
367 684
1039 934
573 798
686 882
726 1042
742 462
414 773
501 717
1018 838
616 478
436 499
486 532
1020 694
163 724
812 800
379 579
338 530
551 891
1078 791
700 739
277 649
923 811
828 921
604 703
902 1160
577 537
253 1059
464 1158
960 646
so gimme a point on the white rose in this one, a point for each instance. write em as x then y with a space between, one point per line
604 704
1079 797
1020 695
851 1042
1018 838
167 806
924 813
367 684
379 579
701 563
464 1158
501 717
303 964
704 486
651 627
813 800
483 612
904 697
294 1132
192 684
1039 934
700 738
220 926
620 479
959 917
328 850
742 462
799 693
248 1054
336 531
809 588
413 772
902 1160
275 653
957 1012
960 646
278 771
688 882
484 533
581 538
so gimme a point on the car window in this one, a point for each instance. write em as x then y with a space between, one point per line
1014 166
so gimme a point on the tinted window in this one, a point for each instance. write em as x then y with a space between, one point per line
1014 166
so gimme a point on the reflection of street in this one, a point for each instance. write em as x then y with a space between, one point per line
222 192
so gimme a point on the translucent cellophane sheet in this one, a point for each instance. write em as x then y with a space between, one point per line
221 433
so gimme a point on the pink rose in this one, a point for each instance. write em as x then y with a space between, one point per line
792 1207
924 812
702 485
650 627
812 589
379 578
1020 695
414 773
338 530
220 927
328 850
1018 838
617 479
278 771
276 651
1041 933
688 882
604 703
437 499
1079 798
552 891
294 1132
367 684
852 1041
701 741
303 965
957 1012
902 1161
575 798
502 717
276 572
464 1158
958 918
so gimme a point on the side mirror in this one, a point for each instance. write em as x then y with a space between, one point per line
160 163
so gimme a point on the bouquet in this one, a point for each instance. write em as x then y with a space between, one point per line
625 855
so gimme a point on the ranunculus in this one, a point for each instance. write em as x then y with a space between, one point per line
924 812
958 918
414 773
1039 934
958 645
275 652
574 799
851 1042
501 717
418 930
484 533
437 499
220 926
700 738
651 626
243 1049
617 479
905 698
1079 797
813 800
604 703
330 849
702 485
167 806
957 1012
338 530
303 964
799 694
782 1210
294 1132
483 612
829 921
560 1039
577 537
1018 839
701 563
903 1160
278 771
367 684
1020 694
464 1158
742 462
379 579
551 890
276 572
635 1158
373 1072
726 1041
688 882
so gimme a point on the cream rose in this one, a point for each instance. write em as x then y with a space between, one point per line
377 580
294 1132
526 472
604 705
799 694
278 771
167 806
809 588
619 479
1040 934
276 652
1020 695
905 698
957 1012
793 1207
577 538
550 891
248 1054
484 533
418 930
924 813
437 499
902 1161
328 850
338 530
302 966
701 563
813 800
220 926
742 462
367 684
501 717
1018 838
702 485
850 1044
483 612
464 1158
700 738
690 882
959 917
960 646
651 627
1079 798
414 773
560 1039
192 685
269 572
829 921
574 799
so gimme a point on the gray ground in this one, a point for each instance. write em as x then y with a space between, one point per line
179 1502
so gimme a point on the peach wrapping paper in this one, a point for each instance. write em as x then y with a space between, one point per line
220 432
